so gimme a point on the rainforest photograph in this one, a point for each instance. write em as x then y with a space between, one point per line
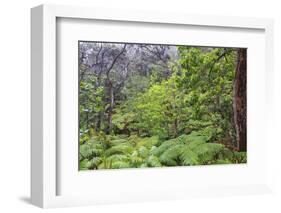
156 105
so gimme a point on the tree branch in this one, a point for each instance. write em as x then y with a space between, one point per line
97 56
225 52
114 61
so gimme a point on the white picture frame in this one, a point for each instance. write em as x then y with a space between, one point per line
44 154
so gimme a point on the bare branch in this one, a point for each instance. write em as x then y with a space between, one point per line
97 56
114 60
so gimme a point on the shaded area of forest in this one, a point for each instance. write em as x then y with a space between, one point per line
158 105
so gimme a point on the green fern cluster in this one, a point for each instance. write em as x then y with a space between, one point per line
115 152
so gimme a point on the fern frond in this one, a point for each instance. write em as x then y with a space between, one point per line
163 147
153 161
144 165
239 157
196 137
148 142
84 164
208 152
120 165
85 151
96 161
223 161
119 149
143 152
226 154
170 157
90 164
118 141
188 157
118 157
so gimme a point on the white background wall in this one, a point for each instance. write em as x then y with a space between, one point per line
15 103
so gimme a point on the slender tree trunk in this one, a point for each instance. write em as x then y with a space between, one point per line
175 113
240 100
175 128
98 123
99 117
111 106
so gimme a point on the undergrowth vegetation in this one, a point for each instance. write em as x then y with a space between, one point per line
115 152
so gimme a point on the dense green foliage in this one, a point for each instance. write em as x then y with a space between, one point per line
112 152
182 118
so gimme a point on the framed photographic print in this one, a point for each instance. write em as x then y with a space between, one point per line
155 105
136 106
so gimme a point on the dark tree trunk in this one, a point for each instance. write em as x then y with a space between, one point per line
240 100
98 123
175 128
